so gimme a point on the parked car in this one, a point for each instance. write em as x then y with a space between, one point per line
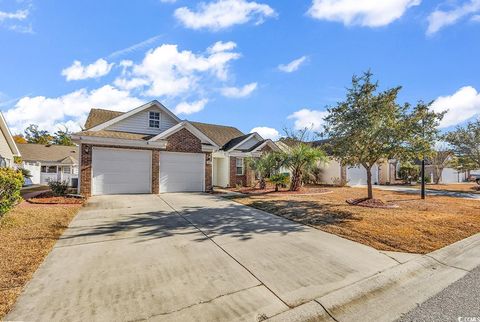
474 177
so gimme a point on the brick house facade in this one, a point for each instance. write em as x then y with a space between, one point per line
181 141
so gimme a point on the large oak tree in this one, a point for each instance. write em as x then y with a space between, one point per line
369 126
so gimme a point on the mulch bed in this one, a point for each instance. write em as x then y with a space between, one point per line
47 198
371 203
271 191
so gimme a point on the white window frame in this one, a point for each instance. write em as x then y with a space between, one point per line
241 166
152 117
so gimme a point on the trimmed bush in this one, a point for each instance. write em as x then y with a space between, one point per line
280 180
11 182
59 188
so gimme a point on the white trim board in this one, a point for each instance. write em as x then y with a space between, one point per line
183 125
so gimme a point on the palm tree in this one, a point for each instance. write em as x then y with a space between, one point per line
299 158
265 166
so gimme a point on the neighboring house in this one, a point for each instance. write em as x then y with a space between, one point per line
334 173
8 148
150 150
50 162
449 175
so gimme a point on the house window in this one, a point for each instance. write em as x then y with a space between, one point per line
154 119
48 169
3 162
239 165
66 170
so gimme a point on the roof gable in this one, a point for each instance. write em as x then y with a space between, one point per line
184 125
123 116
244 143
5 131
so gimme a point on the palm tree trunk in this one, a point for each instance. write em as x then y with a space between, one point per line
263 184
296 180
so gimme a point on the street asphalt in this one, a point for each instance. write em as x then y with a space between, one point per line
458 302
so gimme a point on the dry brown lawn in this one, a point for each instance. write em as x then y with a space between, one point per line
416 226
457 187
27 234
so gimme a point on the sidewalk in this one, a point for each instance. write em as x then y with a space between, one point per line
395 291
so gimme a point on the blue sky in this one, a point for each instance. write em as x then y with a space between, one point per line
267 64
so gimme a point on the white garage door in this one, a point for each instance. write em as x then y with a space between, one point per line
121 171
358 175
450 175
182 172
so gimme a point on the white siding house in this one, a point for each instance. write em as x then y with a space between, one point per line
8 148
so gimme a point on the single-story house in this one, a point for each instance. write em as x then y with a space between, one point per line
8 148
50 162
449 175
334 173
150 150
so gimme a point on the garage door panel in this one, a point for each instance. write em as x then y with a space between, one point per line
358 175
121 171
182 172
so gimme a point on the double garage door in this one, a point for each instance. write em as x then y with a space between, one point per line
123 171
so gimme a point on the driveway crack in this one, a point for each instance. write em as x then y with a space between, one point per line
195 304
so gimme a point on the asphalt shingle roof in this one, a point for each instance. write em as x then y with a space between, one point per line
219 134
48 153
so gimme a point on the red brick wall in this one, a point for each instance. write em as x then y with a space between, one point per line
86 170
86 167
234 178
208 172
184 141
155 172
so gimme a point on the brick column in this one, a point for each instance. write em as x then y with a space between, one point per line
233 176
86 170
208 172
155 171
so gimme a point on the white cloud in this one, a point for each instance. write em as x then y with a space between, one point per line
190 108
77 71
16 21
310 119
167 71
68 109
168 1
293 65
222 14
266 132
239 92
220 46
17 15
462 105
442 18
368 13
476 18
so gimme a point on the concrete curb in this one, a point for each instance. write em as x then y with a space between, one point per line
388 295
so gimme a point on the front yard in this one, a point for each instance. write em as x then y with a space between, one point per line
470 187
27 234
416 226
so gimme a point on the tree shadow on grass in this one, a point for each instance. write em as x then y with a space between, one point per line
306 212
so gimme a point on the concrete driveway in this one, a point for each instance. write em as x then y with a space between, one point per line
183 257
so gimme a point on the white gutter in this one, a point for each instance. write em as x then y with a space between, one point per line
119 142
